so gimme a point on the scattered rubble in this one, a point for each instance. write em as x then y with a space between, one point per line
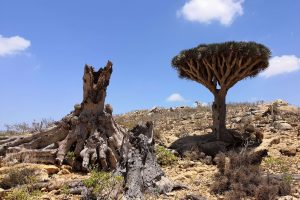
280 131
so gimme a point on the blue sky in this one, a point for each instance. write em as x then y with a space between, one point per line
45 44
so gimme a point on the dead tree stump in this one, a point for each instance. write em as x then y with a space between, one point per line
89 131
138 162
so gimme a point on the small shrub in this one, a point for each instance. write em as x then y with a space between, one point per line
285 186
272 162
240 177
266 192
279 165
157 134
194 153
23 193
182 133
104 184
220 184
221 162
17 177
71 155
164 156
65 190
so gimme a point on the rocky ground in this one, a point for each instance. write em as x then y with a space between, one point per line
278 122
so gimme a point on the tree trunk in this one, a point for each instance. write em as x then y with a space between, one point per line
138 163
139 167
219 115
95 139
89 131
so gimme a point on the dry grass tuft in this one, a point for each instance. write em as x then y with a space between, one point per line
17 177
240 177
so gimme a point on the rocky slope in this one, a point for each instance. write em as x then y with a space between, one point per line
277 122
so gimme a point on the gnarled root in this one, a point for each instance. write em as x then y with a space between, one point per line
89 131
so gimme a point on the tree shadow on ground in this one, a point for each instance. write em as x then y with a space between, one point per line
202 143
208 143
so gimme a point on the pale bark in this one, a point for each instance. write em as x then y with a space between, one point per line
89 131
96 140
139 167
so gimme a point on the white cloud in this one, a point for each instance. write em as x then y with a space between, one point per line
206 11
12 45
281 65
176 97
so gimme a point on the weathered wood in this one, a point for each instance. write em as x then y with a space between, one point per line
96 140
89 131
138 165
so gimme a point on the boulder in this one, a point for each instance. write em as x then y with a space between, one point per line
275 141
63 171
150 114
288 151
236 120
202 155
50 169
208 160
164 185
249 128
282 125
261 125
247 119
154 110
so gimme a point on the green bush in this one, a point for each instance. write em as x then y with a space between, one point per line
65 190
71 155
164 156
103 183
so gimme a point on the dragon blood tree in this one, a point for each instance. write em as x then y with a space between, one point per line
219 67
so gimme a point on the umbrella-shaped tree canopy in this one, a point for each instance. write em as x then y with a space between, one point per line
218 67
